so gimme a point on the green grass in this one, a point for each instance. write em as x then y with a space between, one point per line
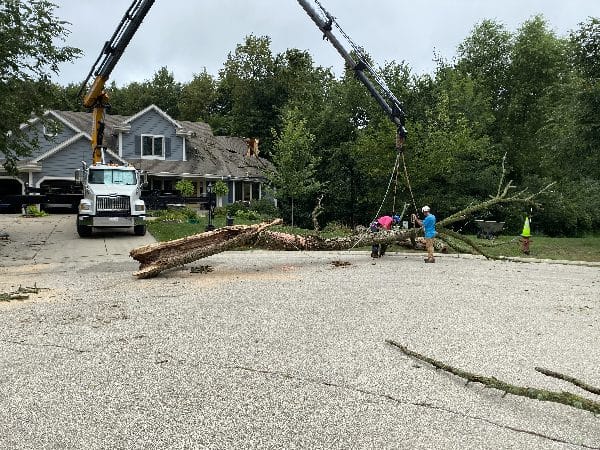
170 230
574 249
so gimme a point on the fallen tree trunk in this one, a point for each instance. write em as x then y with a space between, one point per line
275 240
155 258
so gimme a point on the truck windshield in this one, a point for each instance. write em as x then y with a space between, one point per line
112 176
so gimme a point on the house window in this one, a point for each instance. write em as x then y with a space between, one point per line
153 147
50 129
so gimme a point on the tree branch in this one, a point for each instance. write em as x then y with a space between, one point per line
575 381
565 398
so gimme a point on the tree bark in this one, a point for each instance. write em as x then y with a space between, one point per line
155 258
566 398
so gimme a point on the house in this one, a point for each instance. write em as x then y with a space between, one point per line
167 149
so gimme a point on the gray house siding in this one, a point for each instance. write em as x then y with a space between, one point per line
63 163
47 143
152 123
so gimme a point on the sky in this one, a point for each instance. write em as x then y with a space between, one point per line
189 36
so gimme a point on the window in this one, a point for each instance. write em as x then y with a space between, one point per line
153 146
50 129
112 176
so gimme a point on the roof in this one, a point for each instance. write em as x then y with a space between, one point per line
208 156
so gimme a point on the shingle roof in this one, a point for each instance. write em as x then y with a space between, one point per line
207 154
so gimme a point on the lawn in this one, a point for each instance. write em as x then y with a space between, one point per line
574 249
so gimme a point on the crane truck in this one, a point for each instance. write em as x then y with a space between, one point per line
111 192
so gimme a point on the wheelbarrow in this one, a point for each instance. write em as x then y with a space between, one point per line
488 229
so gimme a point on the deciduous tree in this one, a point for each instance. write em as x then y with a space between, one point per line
30 52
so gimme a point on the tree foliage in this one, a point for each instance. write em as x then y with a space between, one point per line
29 55
524 103
293 155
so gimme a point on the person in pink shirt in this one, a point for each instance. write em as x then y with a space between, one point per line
382 223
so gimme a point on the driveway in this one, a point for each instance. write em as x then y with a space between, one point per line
54 239
285 349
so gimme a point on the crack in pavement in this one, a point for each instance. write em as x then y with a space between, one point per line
46 239
332 384
28 344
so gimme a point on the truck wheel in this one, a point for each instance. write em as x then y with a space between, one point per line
139 230
84 230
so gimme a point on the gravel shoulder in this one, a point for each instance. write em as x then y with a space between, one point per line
286 349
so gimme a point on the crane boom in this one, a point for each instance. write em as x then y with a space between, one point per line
112 51
386 100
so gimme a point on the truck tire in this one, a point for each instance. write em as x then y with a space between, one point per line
84 230
139 230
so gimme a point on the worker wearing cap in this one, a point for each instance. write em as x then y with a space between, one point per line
428 224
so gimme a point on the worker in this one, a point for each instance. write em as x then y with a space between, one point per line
383 223
428 224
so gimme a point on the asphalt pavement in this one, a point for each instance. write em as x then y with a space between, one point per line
285 349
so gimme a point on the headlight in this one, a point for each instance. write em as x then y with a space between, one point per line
141 207
85 207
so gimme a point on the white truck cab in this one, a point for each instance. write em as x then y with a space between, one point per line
111 198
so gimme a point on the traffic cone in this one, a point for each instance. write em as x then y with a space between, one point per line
526 229
525 235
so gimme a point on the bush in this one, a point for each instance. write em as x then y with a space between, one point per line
337 228
33 210
247 214
176 215
265 207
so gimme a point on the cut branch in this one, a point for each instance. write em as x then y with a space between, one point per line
575 381
565 398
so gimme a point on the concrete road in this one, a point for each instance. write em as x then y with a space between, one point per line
287 350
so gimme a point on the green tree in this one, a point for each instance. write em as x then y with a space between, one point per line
197 101
249 101
295 163
538 68
162 90
30 52
585 48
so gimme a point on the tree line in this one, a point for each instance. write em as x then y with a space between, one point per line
526 102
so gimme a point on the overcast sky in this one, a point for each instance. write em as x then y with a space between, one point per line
187 36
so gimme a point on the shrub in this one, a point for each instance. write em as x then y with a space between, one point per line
33 210
265 207
247 214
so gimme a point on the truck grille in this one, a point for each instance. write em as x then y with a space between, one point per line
113 204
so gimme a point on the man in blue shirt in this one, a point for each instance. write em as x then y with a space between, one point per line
428 224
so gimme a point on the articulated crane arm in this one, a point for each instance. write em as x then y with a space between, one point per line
112 51
379 91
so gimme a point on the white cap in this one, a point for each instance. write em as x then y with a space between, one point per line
425 208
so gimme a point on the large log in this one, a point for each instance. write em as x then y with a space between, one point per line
155 258
275 240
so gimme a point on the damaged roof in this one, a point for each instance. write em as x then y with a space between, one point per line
207 155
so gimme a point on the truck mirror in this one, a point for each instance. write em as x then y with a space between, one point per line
78 176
